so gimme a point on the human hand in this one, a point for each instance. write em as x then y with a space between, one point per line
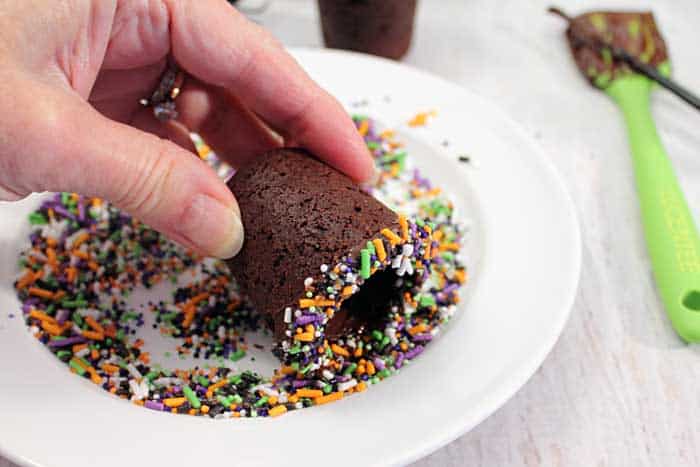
72 75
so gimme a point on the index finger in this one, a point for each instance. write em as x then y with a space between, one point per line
219 46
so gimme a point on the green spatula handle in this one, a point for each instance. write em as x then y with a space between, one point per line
671 236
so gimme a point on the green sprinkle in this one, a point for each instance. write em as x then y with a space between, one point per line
598 21
76 366
77 319
372 145
633 28
168 316
37 218
602 80
151 375
420 222
64 198
350 369
203 380
237 355
606 55
236 399
364 264
427 300
74 303
120 334
359 117
370 247
235 379
191 397
327 389
384 373
384 342
307 368
377 335
63 353
262 401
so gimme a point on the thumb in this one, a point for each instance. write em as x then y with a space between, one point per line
69 146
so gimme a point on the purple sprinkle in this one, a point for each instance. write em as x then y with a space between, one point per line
426 336
64 212
306 319
26 308
153 405
414 352
379 363
300 383
450 288
399 360
67 341
81 210
62 316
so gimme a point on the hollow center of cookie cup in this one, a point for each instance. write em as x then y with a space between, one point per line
369 307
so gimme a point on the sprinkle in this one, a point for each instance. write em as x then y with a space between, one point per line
334 396
277 410
364 262
379 247
338 350
310 393
191 397
391 236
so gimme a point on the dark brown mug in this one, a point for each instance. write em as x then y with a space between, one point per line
378 27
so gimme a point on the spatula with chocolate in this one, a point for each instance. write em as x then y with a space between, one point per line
609 49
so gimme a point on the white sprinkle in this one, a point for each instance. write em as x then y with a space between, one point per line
287 315
133 371
308 281
328 374
82 352
407 249
396 262
324 268
347 385
221 332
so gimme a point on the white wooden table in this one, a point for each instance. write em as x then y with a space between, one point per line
619 388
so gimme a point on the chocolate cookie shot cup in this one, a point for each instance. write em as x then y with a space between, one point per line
378 27
321 257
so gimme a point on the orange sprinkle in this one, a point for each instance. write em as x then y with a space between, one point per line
293 399
460 276
434 191
426 254
317 302
277 410
109 368
189 317
437 235
78 347
404 227
338 350
334 396
287 370
94 324
81 254
50 213
272 400
59 295
214 387
379 247
358 352
421 119
80 239
111 331
174 402
370 368
39 292
52 242
386 134
41 316
204 409
96 202
197 298
361 386
364 127
311 393
403 346
449 247
145 357
95 336
27 279
71 273
391 236
304 337
52 329
417 329
347 291
93 265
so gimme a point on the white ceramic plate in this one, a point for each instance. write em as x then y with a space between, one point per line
513 312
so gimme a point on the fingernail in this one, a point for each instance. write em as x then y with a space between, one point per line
213 227
376 175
